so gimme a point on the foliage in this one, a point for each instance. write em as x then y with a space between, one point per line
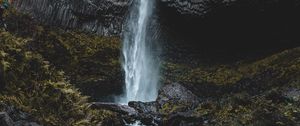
245 93
91 62
37 63
286 63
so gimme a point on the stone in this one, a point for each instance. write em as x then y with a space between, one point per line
5 120
144 107
176 92
148 112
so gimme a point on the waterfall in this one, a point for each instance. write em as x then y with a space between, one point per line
139 60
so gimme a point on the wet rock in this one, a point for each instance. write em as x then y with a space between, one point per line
126 114
104 17
122 109
144 107
148 112
174 106
5 120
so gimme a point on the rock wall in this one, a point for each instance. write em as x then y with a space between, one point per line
202 7
229 30
225 29
104 17
194 7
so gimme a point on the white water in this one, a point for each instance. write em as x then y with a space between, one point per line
140 64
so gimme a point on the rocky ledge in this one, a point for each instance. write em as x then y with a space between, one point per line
176 105
104 17
202 7
158 112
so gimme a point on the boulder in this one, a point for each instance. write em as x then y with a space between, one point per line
144 107
176 104
177 93
148 112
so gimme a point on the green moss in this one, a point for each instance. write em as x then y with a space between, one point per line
286 63
39 67
90 61
251 92
82 56
169 108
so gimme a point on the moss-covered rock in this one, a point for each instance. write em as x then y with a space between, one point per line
91 62
40 67
274 70
261 92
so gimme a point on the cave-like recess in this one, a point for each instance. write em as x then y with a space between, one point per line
241 31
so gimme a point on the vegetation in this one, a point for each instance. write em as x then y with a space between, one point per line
262 92
287 63
41 66
91 62
43 71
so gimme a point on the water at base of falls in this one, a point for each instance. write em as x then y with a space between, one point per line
139 62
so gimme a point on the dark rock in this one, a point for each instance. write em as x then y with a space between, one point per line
176 92
202 7
194 7
103 17
126 114
144 107
20 118
25 123
14 113
5 120
148 112
176 104
122 109
268 25
292 94
152 113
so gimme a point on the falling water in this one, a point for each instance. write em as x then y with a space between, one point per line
140 64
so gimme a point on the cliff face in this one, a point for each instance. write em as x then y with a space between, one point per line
202 7
104 17
188 24
230 30
194 7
